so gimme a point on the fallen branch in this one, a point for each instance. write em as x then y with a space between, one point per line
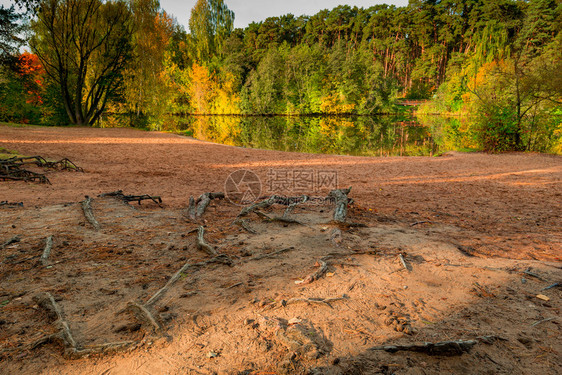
47 250
202 245
273 254
341 202
87 208
9 242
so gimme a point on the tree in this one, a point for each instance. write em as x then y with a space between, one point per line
143 74
9 30
211 22
83 46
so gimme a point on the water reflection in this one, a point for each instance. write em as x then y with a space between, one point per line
368 136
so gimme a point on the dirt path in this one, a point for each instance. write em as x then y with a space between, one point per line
479 234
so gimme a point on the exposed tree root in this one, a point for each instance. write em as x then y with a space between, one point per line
54 311
11 204
291 206
47 250
271 255
202 245
87 208
145 317
448 348
181 272
280 219
219 259
10 241
316 275
274 199
133 198
197 208
403 262
341 202
244 224
13 168
318 301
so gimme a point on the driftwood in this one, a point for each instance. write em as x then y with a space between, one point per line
47 250
341 201
447 348
87 208
202 245
197 208
133 198
10 241
159 294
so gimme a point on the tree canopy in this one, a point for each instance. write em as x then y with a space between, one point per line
127 62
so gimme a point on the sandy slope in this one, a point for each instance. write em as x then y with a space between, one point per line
504 210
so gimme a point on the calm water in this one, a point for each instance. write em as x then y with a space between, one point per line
370 136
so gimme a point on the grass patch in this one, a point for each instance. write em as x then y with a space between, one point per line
7 154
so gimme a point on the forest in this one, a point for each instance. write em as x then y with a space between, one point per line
129 63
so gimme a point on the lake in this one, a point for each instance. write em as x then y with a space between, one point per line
353 135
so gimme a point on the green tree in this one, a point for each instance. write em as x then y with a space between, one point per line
10 30
211 22
83 46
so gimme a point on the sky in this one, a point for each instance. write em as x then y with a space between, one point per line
248 11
